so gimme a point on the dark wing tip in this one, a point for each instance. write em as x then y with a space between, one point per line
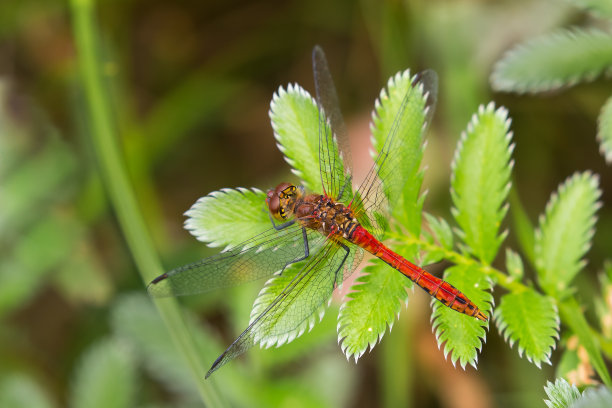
158 279
218 363
157 290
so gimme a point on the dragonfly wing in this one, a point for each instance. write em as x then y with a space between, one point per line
281 318
385 182
260 256
334 153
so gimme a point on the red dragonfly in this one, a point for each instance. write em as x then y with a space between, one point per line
322 235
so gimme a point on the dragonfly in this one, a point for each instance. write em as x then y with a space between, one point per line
323 235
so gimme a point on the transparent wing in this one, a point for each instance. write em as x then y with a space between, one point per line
294 310
334 153
258 257
386 179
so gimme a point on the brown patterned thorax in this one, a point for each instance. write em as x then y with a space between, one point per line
325 215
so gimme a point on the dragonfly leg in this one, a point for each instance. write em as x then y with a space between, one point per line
280 226
306 251
348 251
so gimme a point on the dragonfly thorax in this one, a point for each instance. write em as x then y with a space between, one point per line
281 200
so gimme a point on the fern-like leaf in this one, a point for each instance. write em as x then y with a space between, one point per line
480 181
228 217
565 231
561 394
402 175
295 120
531 320
106 377
296 300
462 335
400 117
372 306
604 130
554 60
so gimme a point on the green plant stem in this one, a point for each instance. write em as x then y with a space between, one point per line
498 276
121 194
571 313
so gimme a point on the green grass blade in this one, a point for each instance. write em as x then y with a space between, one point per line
573 317
561 394
532 321
554 60
523 228
295 120
462 335
480 181
565 231
121 194
604 130
228 217
105 377
371 307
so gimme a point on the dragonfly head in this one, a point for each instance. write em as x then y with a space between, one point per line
281 200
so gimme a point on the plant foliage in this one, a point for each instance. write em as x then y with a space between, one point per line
532 320
481 181
566 230
561 394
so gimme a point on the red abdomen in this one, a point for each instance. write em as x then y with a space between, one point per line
436 287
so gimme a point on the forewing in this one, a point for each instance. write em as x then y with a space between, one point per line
398 159
280 319
334 153
258 257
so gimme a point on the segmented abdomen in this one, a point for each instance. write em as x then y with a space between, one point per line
436 287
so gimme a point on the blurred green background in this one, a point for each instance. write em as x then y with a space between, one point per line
190 84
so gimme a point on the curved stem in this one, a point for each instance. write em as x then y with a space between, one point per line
115 178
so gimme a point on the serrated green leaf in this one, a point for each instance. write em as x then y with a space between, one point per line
602 8
600 397
228 217
441 231
301 307
553 60
461 334
514 264
105 377
373 305
21 391
565 231
295 120
531 320
561 394
400 172
604 130
480 181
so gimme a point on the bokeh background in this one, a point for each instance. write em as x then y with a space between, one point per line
190 84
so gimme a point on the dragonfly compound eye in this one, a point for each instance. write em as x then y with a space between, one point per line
273 203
